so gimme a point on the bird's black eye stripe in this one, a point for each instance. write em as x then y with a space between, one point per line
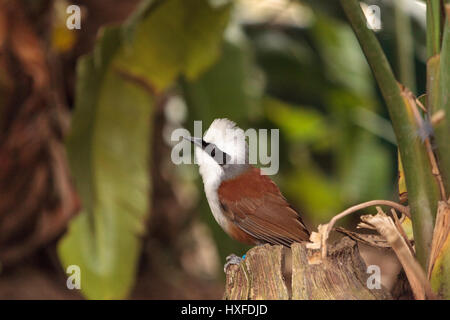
213 153
206 145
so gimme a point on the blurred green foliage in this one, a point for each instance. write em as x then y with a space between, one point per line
177 38
315 80
311 82
116 85
103 240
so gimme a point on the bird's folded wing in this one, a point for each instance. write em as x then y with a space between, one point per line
261 210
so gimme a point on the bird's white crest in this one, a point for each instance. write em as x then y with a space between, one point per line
230 139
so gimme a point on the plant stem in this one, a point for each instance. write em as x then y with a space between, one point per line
423 193
433 51
441 94
405 47
433 27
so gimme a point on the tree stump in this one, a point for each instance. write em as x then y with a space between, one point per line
279 273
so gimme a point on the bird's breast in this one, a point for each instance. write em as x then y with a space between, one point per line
214 205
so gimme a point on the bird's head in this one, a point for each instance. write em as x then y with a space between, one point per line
222 153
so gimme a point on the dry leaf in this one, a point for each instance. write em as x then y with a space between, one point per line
440 234
416 276
373 240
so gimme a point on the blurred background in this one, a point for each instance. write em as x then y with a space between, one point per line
86 117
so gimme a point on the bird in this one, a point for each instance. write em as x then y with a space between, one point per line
247 204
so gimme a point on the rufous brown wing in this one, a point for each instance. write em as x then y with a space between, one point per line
258 213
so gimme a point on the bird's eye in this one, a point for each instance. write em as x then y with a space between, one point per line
213 152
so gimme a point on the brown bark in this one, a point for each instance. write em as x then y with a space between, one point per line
267 273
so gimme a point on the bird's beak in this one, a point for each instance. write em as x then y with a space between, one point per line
196 141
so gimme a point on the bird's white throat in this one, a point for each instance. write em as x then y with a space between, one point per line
230 139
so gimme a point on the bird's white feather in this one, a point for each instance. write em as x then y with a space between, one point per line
230 139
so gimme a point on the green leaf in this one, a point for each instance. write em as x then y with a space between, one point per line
440 277
344 62
298 123
314 192
108 152
228 89
278 55
178 37
368 171
108 145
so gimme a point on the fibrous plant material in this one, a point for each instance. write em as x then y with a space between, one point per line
342 276
387 228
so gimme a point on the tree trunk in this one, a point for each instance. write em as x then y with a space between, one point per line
277 272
